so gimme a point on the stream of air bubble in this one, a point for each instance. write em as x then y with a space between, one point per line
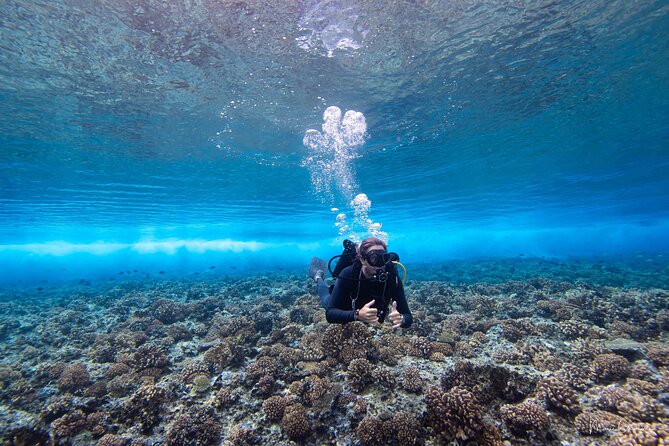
329 161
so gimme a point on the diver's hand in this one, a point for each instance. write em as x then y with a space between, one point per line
368 314
395 316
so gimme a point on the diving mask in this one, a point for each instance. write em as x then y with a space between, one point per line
380 258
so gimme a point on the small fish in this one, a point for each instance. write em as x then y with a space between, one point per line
212 267
39 288
161 272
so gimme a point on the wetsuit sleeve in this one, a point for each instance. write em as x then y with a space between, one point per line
402 305
338 311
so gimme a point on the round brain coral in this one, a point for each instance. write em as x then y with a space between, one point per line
295 422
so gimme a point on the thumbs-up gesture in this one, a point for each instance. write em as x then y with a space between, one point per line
395 316
367 313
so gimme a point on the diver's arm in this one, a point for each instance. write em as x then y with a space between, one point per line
340 299
402 305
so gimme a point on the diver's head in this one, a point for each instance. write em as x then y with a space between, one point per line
370 245
372 253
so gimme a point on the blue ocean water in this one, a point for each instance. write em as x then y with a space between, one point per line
174 136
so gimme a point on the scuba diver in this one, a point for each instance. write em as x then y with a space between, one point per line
367 287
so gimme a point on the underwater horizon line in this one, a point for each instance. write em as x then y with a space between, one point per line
166 246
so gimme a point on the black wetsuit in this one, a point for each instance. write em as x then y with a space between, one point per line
339 308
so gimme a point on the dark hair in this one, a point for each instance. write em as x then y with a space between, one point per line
367 243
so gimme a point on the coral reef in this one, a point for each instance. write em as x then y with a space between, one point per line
250 360
197 427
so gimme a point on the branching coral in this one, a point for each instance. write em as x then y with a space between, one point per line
525 417
609 367
577 377
197 427
348 342
77 421
454 414
69 424
149 356
274 407
112 440
193 370
116 369
659 355
598 422
411 380
629 404
641 434
262 366
295 422
372 432
240 435
144 406
406 429
420 347
573 329
224 355
559 395
74 378
225 397
360 374
168 311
